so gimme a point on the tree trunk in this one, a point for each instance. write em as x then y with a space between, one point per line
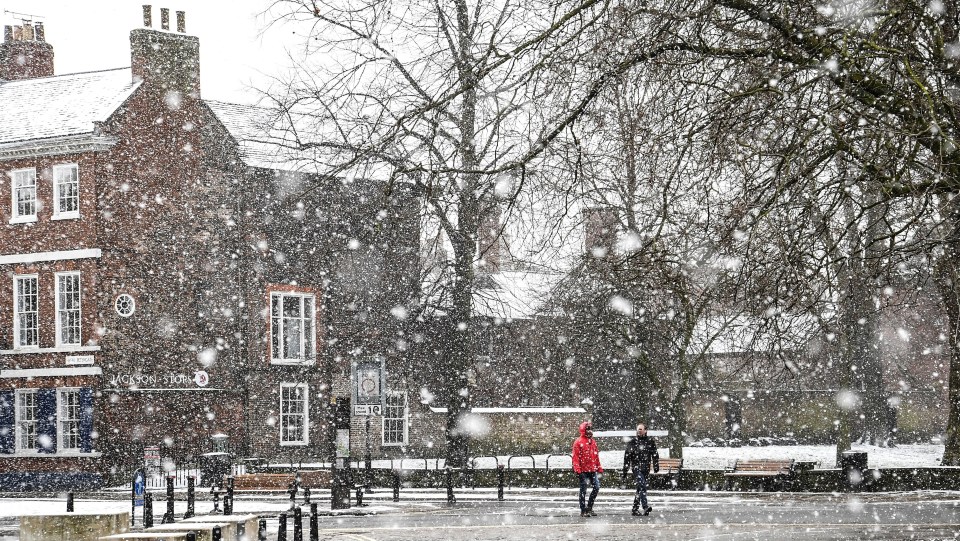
947 277
677 425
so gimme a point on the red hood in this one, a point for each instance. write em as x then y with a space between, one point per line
583 427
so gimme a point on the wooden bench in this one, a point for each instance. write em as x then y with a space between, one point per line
768 471
669 471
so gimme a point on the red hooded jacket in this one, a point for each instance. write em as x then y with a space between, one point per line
586 454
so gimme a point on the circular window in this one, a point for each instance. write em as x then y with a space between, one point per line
125 305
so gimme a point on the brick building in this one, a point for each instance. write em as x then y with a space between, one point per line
165 282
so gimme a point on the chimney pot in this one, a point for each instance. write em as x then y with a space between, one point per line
7 33
147 16
38 32
27 32
164 19
181 22
17 33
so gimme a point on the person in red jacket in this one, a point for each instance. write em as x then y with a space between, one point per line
586 464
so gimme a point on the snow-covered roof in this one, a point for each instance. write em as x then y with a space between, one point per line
267 138
513 294
741 333
60 106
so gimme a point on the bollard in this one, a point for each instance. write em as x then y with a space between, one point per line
396 486
228 499
216 535
262 530
449 481
191 496
293 494
69 502
500 482
191 536
314 524
168 516
359 495
306 495
282 529
297 525
148 510
216 499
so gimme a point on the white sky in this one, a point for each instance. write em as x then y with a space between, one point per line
94 35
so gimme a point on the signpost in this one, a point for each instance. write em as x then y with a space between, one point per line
151 461
369 378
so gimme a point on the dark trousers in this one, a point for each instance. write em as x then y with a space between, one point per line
588 479
640 498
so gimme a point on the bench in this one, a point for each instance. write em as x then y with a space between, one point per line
669 471
768 471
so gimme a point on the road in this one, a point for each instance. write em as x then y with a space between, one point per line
553 515
689 516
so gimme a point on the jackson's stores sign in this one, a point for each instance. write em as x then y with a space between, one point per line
200 378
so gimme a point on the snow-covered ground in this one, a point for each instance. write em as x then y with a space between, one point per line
717 458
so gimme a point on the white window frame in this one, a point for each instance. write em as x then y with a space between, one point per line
305 436
59 214
405 419
60 310
16 312
64 420
18 420
15 216
276 353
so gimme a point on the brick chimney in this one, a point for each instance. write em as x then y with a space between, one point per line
167 60
600 232
24 53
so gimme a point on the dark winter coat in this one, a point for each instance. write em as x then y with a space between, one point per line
641 451
586 454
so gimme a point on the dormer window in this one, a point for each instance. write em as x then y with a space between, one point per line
66 192
24 191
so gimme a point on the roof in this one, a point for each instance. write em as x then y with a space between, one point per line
62 105
267 138
513 294
262 141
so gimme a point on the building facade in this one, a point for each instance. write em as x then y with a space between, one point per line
166 283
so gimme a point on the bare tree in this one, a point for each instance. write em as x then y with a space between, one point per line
451 96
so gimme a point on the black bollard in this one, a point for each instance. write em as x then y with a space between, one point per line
297 525
306 495
168 516
262 530
148 510
228 499
449 482
216 535
500 482
216 499
396 486
314 524
191 536
282 529
69 502
360 496
292 489
191 497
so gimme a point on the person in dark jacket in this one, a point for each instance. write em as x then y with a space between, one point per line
586 464
641 452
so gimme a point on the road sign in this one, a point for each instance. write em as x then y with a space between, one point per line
367 409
